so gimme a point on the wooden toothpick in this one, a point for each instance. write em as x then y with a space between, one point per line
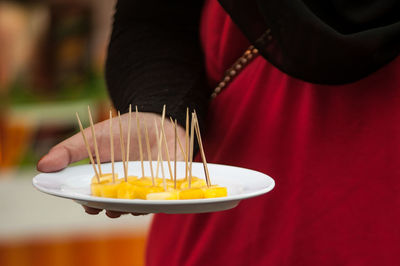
139 140
175 148
203 156
159 140
155 122
88 149
96 149
187 144
128 141
166 144
158 151
149 153
179 141
191 151
112 148
121 139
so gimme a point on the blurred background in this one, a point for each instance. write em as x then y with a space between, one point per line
51 65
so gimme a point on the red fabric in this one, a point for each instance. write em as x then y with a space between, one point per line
334 152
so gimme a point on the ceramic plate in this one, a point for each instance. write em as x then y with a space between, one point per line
74 183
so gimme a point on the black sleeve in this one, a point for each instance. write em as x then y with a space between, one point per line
154 58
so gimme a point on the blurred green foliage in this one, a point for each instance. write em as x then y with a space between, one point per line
92 86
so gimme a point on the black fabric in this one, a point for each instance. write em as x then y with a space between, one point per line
154 58
326 42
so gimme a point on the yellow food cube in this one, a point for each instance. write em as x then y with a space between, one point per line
191 193
169 183
104 177
109 190
131 179
142 191
196 183
125 191
165 195
147 181
179 182
95 188
144 181
215 192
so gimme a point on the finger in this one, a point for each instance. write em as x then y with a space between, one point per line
73 149
90 210
114 214
58 158
138 214
170 137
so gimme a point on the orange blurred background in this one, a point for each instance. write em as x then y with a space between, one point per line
51 65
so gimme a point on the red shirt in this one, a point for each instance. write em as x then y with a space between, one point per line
334 152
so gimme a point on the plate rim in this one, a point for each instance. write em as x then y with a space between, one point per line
160 203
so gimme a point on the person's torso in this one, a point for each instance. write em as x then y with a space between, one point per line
334 152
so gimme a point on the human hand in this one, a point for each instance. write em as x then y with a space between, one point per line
73 149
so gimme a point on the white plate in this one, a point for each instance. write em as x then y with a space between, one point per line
74 183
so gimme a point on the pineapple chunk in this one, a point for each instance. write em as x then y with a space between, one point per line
95 188
142 191
147 181
165 195
168 182
144 181
131 179
196 183
179 182
109 190
191 193
125 191
104 177
215 192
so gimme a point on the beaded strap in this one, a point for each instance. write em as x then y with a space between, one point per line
235 69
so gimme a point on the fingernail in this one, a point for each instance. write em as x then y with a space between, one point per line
39 166
92 211
55 160
112 214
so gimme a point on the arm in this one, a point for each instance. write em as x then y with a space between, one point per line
154 57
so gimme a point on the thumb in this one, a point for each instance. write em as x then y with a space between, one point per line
73 149
60 156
